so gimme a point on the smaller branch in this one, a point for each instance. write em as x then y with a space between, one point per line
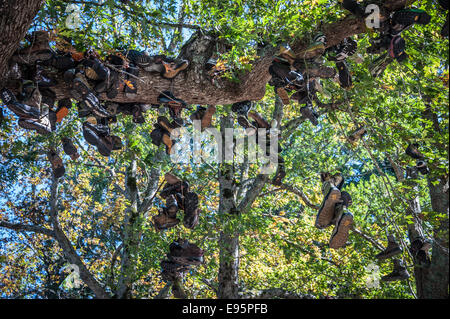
368 238
27 228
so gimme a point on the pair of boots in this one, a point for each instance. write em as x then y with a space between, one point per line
174 105
241 109
83 92
261 123
283 79
306 96
163 132
339 53
97 133
179 260
167 67
204 115
332 211
178 197
420 251
413 151
56 161
32 113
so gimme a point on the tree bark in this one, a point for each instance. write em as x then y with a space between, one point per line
15 19
229 238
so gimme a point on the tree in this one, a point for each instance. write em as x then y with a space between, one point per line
257 236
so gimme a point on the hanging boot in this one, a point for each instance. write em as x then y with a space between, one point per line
185 253
326 211
57 163
392 249
342 228
242 109
191 210
69 148
399 273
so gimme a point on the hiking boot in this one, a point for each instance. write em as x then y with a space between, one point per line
341 231
346 199
357 134
399 273
41 125
172 179
354 7
419 250
422 167
310 114
345 78
380 64
171 70
162 221
69 76
403 19
117 143
204 115
93 103
343 50
175 105
62 111
326 211
168 126
63 62
83 110
185 253
80 86
396 48
172 271
157 135
392 249
138 117
191 210
242 109
284 96
69 148
41 79
260 121
22 110
171 206
98 135
57 163
316 48
338 180
168 142
181 187
413 151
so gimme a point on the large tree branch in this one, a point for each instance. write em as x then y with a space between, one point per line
69 252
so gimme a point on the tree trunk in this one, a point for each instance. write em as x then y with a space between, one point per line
15 19
436 281
229 237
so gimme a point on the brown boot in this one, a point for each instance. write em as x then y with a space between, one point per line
391 250
162 221
262 123
172 179
282 93
185 253
57 163
171 70
168 143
